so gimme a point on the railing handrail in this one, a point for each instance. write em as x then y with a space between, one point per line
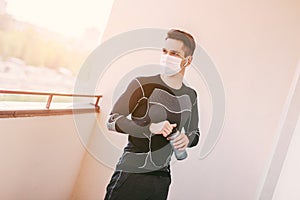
46 93
50 94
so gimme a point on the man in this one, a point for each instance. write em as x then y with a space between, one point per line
150 110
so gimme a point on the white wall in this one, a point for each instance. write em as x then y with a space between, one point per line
40 157
288 183
255 45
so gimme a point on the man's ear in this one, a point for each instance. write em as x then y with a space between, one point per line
189 60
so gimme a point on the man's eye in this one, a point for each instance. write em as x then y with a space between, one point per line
164 51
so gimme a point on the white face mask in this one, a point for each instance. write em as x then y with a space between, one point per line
171 64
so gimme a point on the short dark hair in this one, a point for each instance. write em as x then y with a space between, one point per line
185 37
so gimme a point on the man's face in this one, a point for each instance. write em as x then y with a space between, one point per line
175 48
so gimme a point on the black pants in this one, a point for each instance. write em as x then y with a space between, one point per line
135 186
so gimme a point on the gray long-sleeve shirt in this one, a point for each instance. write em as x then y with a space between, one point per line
149 100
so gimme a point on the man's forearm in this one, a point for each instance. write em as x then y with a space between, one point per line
122 124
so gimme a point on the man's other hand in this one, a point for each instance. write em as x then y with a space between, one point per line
181 142
164 128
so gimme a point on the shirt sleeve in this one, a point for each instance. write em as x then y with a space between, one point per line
123 107
191 127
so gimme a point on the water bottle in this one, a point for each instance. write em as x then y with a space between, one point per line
180 155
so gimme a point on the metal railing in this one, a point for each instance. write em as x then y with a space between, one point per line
47 111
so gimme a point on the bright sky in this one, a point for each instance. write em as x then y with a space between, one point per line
70 17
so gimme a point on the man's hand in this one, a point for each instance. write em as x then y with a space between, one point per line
164 128
180 142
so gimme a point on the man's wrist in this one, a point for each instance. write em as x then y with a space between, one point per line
155 127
